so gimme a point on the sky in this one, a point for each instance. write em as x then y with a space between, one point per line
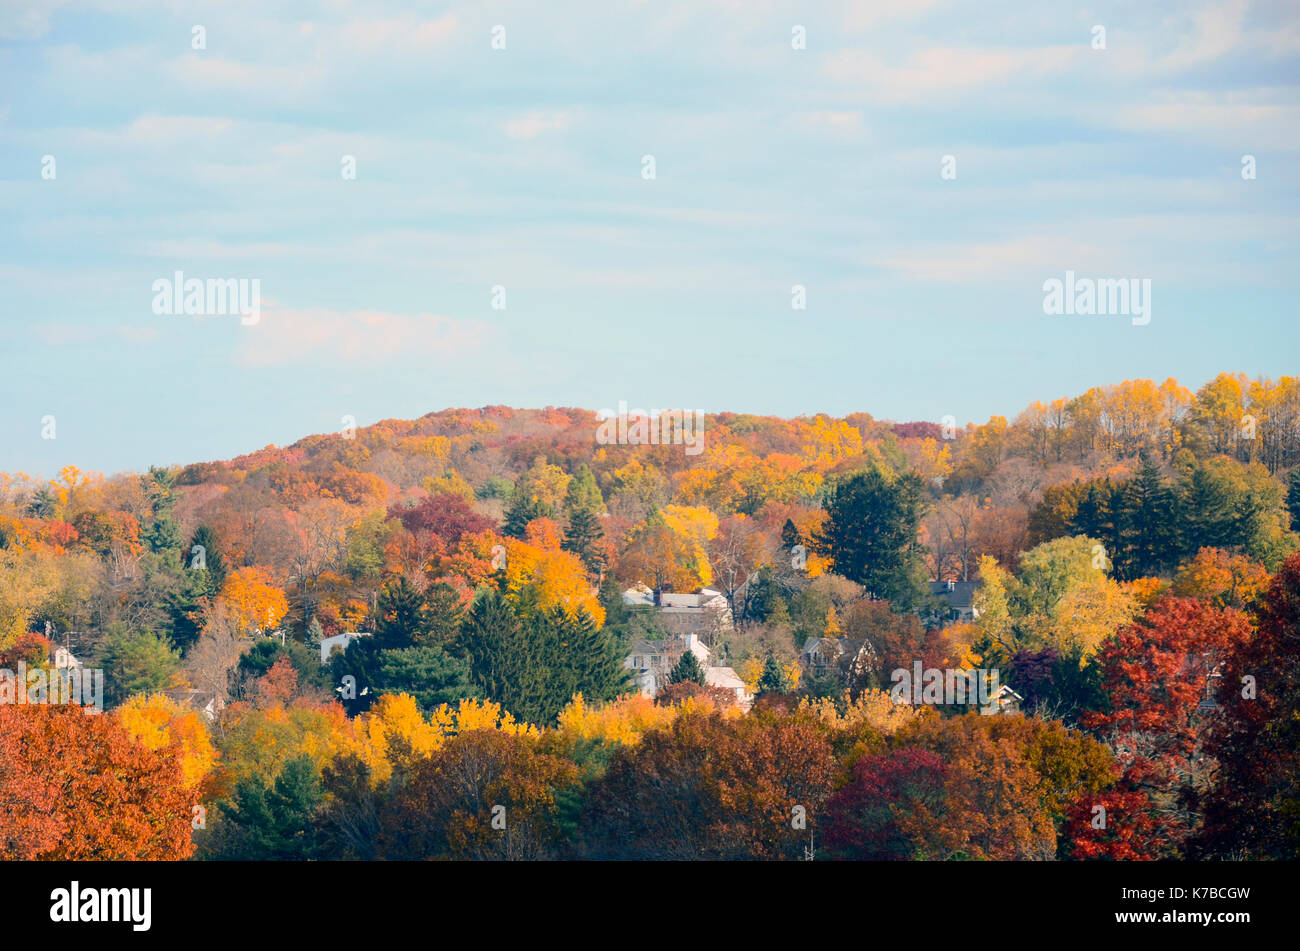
921 169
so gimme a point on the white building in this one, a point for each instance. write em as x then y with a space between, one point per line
340 641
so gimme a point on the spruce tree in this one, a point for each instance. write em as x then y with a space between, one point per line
1293 498
581 535
870 533
523 509
401 618
687 670
503 658
773 679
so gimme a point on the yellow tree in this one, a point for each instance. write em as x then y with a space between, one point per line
253 602
155 721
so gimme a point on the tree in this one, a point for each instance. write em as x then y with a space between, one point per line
1158 674
212 569
502 657
581 536
485 794
137 662
75 787
870 534
1253 809
1147 540
734 786
253 601
1293 498
401 618
889 808
687 670
272 824
448 516
157 722
1224 579
773 679
428 674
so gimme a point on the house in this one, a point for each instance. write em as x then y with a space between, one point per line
340 641
63 659
705 613
958 597
207 702
847 658
728 679
1008 702
652 662
822 655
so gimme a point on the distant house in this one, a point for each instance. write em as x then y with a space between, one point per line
705 613
63 659
728 679
652 661
847 658
207 702
959 599
1008 701
339 641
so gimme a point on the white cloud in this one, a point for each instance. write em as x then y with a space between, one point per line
533 125
302 336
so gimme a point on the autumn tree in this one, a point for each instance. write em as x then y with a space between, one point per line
76 787
1253 808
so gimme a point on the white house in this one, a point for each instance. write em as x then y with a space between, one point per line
728 679
340 641
705 612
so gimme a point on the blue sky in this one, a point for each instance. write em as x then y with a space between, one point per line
522 167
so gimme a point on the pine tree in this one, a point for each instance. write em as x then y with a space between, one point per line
428 674
503 657
583 493
401 618
443 616
1148 534
523 509
870 533
1210 515
773 679
581 535
1293 498
687 670
213 570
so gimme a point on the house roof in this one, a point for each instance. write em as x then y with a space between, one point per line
961 595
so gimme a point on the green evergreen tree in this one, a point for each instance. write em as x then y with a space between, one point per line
504 660
443 616
212 572
136 662
687 670
428 674
1210 516
870 534
1147 532
773 679
1293 498
583 493
276 823
581 535
401 618
523 509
